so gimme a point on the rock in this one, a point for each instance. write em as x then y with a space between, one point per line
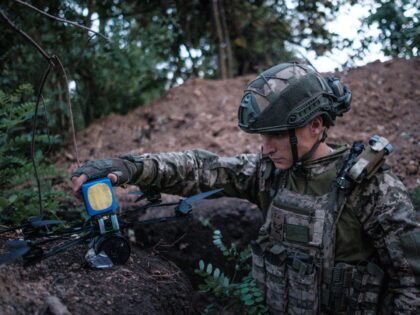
55 306
412 168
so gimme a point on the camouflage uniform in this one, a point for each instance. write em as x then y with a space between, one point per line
376 226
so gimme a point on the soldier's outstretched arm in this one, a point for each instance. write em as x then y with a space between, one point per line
194 171
388 217
181 173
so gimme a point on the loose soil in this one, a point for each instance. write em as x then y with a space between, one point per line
159 277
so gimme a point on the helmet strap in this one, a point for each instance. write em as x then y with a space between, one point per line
293 145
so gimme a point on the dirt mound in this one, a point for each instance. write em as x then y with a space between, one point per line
203 114
146 284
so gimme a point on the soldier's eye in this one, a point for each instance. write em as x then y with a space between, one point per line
281 134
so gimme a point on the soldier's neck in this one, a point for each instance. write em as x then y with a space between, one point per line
322 150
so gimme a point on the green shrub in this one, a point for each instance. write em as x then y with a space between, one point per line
415 199
19 191
243 296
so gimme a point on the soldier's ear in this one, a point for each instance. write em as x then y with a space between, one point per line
316 126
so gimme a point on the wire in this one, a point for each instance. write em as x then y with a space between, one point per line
41 88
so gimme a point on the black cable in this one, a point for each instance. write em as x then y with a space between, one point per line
41 88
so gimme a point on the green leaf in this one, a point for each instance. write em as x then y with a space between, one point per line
209 269
216 273
3 202
249 302
245 290
201 264
12 198
226 282
259 299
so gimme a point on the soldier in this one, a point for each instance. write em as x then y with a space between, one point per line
340 234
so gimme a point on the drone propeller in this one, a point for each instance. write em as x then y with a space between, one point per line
17 243
19 252
38 221
31 226
42 223
20 249
185 204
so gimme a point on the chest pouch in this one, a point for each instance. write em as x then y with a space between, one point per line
286 262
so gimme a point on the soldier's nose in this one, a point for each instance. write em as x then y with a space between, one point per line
267 148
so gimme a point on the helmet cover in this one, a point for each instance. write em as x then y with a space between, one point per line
288 96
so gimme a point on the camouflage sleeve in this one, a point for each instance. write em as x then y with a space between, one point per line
194 171
388 217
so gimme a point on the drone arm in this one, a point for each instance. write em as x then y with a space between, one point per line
66 246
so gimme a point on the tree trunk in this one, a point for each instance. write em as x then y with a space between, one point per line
225 29
220 37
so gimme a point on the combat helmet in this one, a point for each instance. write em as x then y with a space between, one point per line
287 96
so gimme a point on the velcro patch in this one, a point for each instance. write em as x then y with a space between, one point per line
296 233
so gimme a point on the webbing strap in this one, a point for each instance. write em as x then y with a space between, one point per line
307 156
300 303
293 145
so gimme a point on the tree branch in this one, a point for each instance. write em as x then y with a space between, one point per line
38 47
69 106
61 19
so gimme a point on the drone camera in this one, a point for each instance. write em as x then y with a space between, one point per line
99 197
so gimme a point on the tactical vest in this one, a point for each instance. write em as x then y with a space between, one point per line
293 259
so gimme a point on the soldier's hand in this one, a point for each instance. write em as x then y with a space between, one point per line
78 181
118 170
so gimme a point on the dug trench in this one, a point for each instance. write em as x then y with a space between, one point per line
159 277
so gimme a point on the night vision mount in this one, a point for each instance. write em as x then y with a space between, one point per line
102 231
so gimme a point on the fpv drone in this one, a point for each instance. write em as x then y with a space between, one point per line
102 230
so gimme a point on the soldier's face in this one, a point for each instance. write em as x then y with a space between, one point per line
277 146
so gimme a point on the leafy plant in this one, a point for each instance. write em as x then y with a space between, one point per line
242 296
398 24
415 198
19 193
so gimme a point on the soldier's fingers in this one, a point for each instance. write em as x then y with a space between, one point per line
113 178
77 182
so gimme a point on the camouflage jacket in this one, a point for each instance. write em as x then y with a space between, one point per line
378 220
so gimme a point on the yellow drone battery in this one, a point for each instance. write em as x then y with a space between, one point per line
98 196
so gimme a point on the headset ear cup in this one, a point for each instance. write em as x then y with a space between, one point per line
342 95
336 86
347 97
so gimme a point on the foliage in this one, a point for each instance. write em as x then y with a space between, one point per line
157 44
415 199
259 32
153 45
241 296
19 195
105 77
398 22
